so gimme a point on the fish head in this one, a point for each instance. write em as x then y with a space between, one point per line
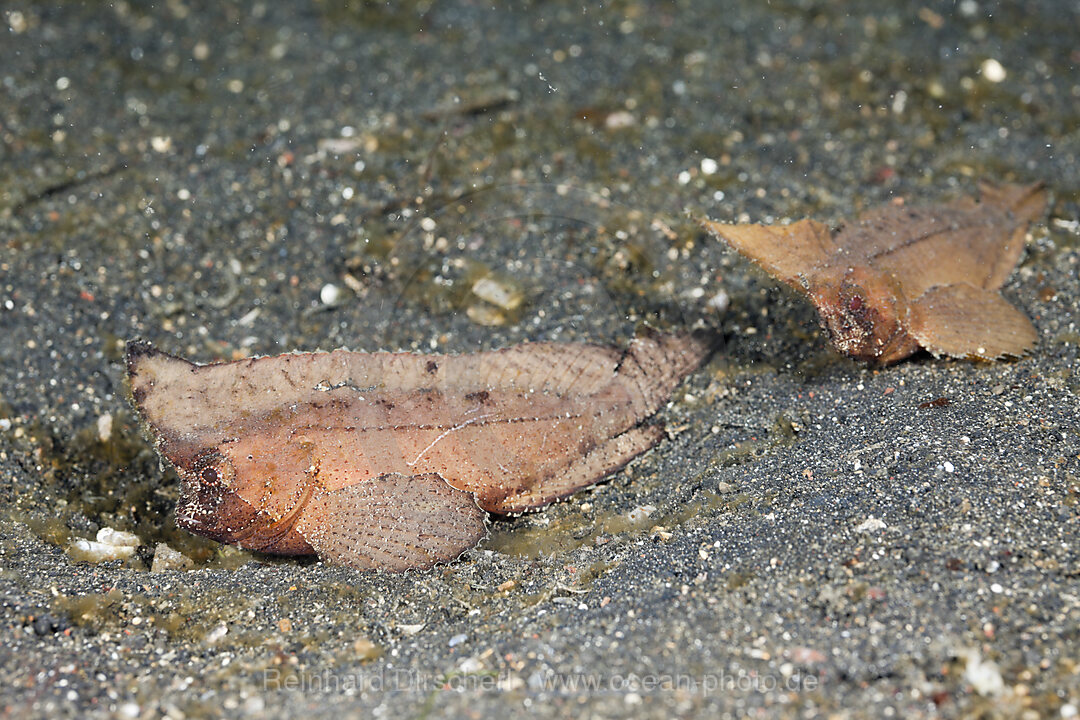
862 312
209 504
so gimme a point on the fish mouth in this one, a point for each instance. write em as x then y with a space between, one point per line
199 523
192 518
199 510
187 518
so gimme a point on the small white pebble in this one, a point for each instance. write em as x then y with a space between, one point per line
254 706
992 70
640 513
709 166
471 665
870 525
17 22
427 224
216 634
165 558
684 177
330 294
984 677
248 318
502 293
719 301
619 120
948 466
104 427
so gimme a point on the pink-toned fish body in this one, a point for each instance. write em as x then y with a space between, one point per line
326 452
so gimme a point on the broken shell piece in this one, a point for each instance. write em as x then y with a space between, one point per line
95 552
501 293
104 427
486 315
118 538
110 545
640 513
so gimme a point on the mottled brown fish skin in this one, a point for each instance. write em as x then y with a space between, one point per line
903 278
388 460
860 311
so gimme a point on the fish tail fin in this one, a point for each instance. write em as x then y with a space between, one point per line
655 363
1026 202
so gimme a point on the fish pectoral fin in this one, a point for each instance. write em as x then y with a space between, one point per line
964 321
787 252
393 522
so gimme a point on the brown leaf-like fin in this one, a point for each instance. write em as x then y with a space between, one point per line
789 252
600 461
144 363
1027 203
393 522
654 363
921 248
963 242
964 321
165 390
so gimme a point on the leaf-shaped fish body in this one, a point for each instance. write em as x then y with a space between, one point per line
895 280
328 452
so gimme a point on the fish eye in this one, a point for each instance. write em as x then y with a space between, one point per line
213 468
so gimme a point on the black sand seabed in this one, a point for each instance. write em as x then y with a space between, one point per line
262 177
